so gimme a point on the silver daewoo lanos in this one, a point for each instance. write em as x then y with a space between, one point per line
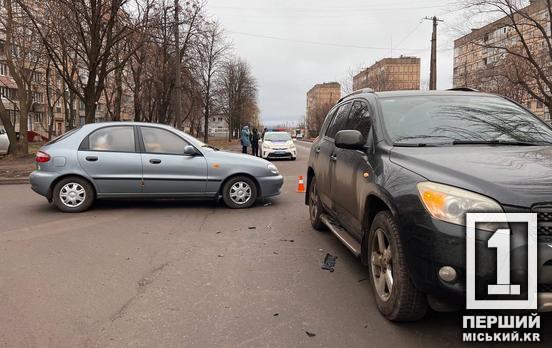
144 160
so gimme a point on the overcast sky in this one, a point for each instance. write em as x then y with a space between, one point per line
292 45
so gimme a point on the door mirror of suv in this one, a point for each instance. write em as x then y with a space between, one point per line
189 150
350 139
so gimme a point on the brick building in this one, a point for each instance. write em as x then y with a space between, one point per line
320 99
390 74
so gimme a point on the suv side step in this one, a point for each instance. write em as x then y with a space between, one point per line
344 236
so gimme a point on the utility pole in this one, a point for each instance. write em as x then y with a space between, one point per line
178 72
433 67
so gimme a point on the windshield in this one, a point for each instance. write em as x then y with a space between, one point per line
281 136
460 119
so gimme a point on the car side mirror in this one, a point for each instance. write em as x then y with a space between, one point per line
350 139
189 150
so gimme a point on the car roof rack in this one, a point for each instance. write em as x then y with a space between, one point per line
463 89
359 91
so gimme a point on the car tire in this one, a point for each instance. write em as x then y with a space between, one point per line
240 192
402 301
315 206
73 195
293 158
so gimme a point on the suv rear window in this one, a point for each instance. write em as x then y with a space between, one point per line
445 119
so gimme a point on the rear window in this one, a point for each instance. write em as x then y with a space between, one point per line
63 136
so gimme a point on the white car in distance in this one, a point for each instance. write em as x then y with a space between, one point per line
278 145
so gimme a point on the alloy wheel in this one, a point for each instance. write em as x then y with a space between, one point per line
313 201
382 265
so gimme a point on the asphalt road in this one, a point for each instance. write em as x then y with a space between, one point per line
192 274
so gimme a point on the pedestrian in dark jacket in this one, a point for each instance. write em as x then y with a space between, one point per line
255 142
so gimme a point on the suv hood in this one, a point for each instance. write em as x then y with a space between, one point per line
511 175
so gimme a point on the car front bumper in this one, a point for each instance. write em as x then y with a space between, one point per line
281 153
431 244
270 185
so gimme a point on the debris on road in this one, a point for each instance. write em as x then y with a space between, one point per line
218 232
275 253
275 314
329 262
220 255
252 227
287 240
362 280
310 334
267 204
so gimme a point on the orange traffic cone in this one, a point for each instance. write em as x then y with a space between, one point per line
301 185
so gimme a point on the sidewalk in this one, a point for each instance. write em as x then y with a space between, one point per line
16 171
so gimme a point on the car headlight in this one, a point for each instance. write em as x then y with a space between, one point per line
273 169
450 204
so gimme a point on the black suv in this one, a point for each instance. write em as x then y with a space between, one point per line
392 175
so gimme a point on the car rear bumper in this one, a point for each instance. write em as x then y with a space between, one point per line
42 181
271 185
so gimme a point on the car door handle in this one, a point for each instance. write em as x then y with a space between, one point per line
333 158
91 158
318 149
155 161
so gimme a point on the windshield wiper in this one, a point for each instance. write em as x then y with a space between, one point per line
415 145
496 142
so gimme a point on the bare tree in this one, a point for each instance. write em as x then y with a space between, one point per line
211 52
237 95
521 41
92 31
22 54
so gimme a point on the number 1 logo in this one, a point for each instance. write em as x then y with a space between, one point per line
500 241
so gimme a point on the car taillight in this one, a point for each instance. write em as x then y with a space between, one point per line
42 157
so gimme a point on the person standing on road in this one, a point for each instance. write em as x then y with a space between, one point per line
245 139
255 142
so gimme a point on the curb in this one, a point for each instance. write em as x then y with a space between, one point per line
14 181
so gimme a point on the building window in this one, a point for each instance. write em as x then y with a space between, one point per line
540 105
7 93
38 97
4 69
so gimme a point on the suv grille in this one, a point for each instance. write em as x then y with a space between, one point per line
544 217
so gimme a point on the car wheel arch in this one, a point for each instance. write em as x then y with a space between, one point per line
373 204
233 175
61 177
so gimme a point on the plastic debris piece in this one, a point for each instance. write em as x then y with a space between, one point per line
329 262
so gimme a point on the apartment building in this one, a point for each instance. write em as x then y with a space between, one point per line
481 60
320 99
390 74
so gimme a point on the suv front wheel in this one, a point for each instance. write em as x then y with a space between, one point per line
315 205
396 297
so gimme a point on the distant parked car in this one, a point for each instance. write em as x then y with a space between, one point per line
299 137
278 145
4 142
131 160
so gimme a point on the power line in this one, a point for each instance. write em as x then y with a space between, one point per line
323 43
